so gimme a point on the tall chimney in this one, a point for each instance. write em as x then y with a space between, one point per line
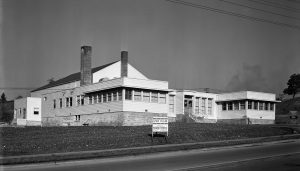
86 66
124 64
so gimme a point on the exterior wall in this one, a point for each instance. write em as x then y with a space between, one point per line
29 104
142 83
55 89
246 95
114 71
145 107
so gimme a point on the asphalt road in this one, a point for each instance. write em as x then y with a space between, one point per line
283 155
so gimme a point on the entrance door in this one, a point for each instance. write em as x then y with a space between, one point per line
188 105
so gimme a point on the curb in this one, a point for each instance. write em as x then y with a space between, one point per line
55 157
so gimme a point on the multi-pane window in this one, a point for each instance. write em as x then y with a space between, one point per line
197 106
209 106
236 105
230 106
146 96
242 105
60 102
120 95
154 97
82 99
261 105
54 104
249 104
255 107
203 106
95 97
24 113
67 101
171 103
90 99
272 106
104 97
99 98
128 94
224 106
162 98
109 97
115 96
266 106
77 117
71 101
137 95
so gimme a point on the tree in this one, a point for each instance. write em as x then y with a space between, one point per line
293 85
3 98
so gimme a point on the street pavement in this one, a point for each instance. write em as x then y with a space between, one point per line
280 155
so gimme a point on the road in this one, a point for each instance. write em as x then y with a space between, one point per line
282 155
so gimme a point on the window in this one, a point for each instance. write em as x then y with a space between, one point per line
236 105
224 106
36 110
120 95
95 96
162 98
90 99
203 106
100 98
60 102
115 96
67 101
230 106
77 117
82 99
137 95
109 97
266 106
146 96
104 97
209 106
154 97
197 106
71 101
261 105
242 105
255 107
24 113
54 104
45 98
128 94
272 106
171 103
77 100
249 104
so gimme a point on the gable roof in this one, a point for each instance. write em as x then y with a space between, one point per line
70 78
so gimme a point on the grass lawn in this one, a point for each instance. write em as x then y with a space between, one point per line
38 140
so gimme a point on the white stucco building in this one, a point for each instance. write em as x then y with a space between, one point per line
119 94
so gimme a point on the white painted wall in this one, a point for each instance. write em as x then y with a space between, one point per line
114 71
34 102
246 95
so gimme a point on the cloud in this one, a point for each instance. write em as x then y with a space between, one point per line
250 78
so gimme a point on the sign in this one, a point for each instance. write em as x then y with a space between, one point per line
160 124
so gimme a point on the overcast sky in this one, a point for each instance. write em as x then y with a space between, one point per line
181 43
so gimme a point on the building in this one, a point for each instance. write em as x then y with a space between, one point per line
27 111
119 94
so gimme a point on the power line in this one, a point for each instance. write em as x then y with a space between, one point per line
233 14
276 5
265 11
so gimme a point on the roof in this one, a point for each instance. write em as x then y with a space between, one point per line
70 78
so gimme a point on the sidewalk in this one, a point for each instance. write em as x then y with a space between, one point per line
55 157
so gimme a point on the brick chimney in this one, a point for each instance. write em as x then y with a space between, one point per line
124 64
86 66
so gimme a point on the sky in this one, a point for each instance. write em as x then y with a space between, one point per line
187 44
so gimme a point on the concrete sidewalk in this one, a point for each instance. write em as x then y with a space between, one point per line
55 157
